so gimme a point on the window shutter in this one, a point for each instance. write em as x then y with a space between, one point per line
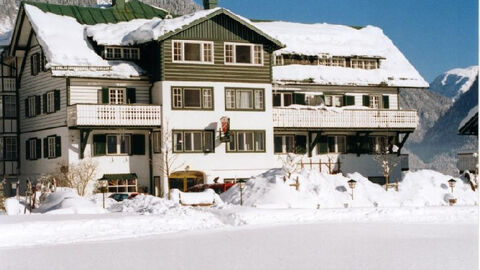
131 96
38 105
44 97
38 150
45 147
57 100
31 65
43 61
58 146
366 101
138 144
386 102
104 95
99 144
322 146
27 149
299 98
26 107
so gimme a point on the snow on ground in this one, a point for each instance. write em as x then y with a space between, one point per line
340 40
422 188
67 201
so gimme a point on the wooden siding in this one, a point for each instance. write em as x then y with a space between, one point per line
219 29
39 85
86 90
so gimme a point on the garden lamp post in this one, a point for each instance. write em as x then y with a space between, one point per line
452 183
352 183
241 185
103 189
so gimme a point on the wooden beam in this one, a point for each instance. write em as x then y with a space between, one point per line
400 146
84 134
312 141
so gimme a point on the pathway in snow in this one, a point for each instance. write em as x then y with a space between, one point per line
303 246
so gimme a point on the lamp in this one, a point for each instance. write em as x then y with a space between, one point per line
241 185
352 183
452 183
103 188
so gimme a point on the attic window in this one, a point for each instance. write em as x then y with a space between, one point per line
121 53
364 63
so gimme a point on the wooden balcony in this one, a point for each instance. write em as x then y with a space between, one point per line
346 118
93 115
467 162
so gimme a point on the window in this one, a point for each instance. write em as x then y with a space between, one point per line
193 141
243 54
118 144
8 148
192 98
245 99
378 144
52 146
334 100
375 102
338 62
8 107
192 52
336 144
364 63
282 99
247 141
122 185
33 149
121 53
50 102
157 142
32 106
279 60
35 64
116 96
284 144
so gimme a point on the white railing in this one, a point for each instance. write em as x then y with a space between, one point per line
9 84
467 162
346 118
114 115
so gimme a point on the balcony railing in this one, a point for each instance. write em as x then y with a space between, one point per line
9 84
114 115
467 162
346 118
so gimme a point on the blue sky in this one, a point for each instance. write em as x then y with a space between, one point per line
435 35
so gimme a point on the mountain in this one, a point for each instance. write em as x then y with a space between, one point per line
455 82
428 112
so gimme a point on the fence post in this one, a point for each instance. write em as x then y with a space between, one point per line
311 165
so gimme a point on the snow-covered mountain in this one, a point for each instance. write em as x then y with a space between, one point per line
455 82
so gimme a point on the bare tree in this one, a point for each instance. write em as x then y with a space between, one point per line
289 163
77 176
169 158
387 161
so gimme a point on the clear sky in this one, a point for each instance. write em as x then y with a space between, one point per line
435 35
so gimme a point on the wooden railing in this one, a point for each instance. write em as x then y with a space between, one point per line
114 115
467 162
9 84
346 118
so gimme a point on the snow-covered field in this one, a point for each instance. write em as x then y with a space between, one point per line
317 227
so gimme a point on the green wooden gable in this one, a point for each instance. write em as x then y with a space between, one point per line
130 10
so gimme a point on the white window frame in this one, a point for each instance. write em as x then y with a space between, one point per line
51 147
237 135
116 95
202 52
379 103
35 65
234 56
330 100
111 55
50 102
206 98
119 145
32 106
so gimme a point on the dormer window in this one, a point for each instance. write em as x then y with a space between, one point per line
121 53
196 52
364 63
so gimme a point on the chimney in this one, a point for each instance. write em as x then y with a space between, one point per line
209 4
118 4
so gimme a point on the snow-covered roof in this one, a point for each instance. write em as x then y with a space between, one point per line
345 41
68 51
141 31
472 113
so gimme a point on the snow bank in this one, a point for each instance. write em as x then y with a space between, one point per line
320 190
67 201
13 207
339 40
206 197
143 204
